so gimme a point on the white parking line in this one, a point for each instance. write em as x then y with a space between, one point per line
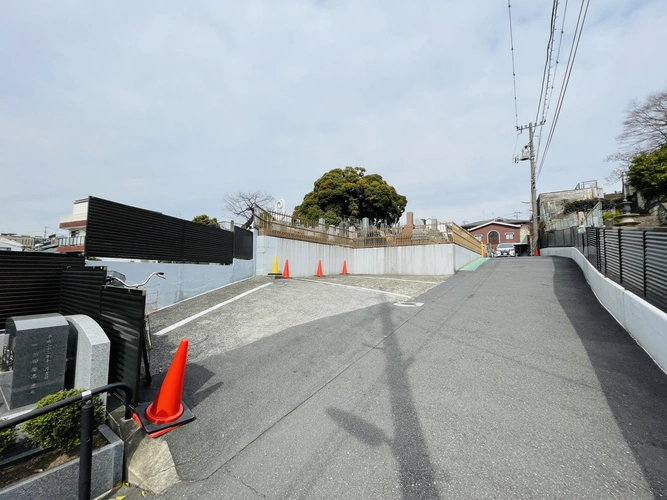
409 281
206 311
355 287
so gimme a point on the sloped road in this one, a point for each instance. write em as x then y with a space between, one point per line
508 382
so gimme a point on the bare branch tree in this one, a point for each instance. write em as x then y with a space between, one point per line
241 204
645 124
644 129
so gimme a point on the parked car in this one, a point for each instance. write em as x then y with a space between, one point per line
505 250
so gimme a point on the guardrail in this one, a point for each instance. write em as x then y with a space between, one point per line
87 426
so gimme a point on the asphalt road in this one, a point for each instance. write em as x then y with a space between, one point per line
508 382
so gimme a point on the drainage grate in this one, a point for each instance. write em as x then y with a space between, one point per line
409 304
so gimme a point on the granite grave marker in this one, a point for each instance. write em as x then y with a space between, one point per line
38 347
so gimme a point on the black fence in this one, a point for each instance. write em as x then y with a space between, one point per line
117 230
634 258
122 316
40 283
242 243
31 282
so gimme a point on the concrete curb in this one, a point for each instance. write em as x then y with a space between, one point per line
148 464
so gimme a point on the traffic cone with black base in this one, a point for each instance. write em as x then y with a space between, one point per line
168 410
286 275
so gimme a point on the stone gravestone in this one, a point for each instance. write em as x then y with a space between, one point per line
37 348
92 353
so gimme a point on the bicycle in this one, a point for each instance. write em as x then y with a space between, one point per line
113 279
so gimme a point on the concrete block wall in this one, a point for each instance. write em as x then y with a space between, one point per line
644 322
433 260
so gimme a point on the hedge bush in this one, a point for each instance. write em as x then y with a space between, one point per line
7 438
61 428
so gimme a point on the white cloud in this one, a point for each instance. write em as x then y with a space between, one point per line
168 108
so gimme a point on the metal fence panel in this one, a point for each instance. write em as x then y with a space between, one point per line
207 244
656 269
632 268
613 255
567 237
243 243
592 246
117 230
80 290
30 282
602 251
122 316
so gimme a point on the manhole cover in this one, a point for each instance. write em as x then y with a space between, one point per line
409 304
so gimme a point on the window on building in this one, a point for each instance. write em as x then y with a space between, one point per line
493 238
509 236
478 237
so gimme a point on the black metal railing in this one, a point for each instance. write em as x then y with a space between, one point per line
634 258
87 426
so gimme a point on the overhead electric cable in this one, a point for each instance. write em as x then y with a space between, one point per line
581 19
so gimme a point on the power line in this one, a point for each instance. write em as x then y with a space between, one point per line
516 107
581 19
546 74
553 81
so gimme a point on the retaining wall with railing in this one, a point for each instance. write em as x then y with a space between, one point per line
627 271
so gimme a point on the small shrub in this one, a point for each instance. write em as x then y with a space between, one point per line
7 438
61 428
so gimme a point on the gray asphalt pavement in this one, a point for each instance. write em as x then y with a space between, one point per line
508 382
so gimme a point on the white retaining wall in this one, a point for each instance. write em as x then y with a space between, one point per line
182 281
303 256
644 322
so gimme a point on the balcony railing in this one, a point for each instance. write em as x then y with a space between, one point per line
77 241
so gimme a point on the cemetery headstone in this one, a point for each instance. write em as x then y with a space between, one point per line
36 354
92 353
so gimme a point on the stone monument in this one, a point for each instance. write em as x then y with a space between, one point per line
92 353
35 354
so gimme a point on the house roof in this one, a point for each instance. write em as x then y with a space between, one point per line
5 242
503 222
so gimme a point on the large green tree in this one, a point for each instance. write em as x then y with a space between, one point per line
350 193
648 173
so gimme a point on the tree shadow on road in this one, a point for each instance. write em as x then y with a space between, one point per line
634 386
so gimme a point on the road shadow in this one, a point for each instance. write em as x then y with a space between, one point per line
416 473
635 388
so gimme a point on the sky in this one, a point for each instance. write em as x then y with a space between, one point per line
169 105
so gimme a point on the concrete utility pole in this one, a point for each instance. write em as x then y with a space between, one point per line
533 183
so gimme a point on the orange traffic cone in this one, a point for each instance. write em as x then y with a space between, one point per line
344 267
167 411
319 269
286 270
537 252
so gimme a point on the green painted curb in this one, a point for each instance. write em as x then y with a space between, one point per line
474 264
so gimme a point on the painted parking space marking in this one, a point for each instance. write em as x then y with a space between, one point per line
409 281
354 287
206 311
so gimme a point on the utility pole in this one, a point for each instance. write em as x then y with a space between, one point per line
533 183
